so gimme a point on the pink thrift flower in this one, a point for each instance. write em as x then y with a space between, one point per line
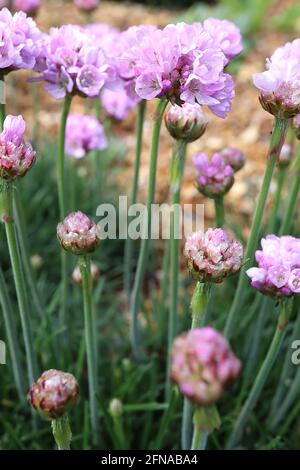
278 271
78 234
84 134
30 7
187 122
279 84
54 393
226 34
213 255
16 155
215 177
203 365
87 5
233 157
118 103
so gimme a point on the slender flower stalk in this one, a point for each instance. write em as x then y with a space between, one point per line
62 432
262 376
292 200
277 141
134 193
143 256
62 202
220 212
282 171
10 327
7 197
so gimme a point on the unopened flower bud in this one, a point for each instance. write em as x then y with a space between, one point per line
285 156
76 275
215 177
187 122
203 365
78 234
213 255
296 126
36 261
16 155
233 157
116 408
54 393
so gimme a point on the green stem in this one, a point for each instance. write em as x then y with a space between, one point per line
196 439
7 196
84 264
220 212
62 203
289 213
143 255
277 199
62 432
262 376
277 140
134 193
14 349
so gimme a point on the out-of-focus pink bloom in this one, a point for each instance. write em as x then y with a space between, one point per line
203 365
30 7
286 155
87 5
233 157
215 177
187 122
118 103
226 34
279 84
278 271
73 64
296 125
16 155
19 41
213 255
76 275
83 134
54 393
78 234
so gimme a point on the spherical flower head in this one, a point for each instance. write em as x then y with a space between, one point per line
118 103
187 122
226 34
78 234
215 177
54 393
203 365
76 275
296 125
83 134
30 7
16 155
278 271
279 85
233 157
212 255
285 156
87 5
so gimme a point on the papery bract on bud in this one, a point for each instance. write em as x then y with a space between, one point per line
87 5
278 271
78 234
187 122
203 365
83 134
280 84
54 393
212 255
233 157
226 34
16 155
215 177
76 275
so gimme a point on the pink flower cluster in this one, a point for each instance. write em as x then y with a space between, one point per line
212 255
73 64
183 63
16 155
203 365
215 177
87 5
278 271
20 41
84 134
118 103
54 393
78 234
226 34
233 157
279 84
